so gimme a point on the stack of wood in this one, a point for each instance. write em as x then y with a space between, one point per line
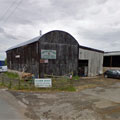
26 76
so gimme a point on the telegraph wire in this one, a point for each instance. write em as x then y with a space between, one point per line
14 2
6 12
13 11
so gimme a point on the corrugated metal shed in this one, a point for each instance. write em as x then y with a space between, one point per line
112 59
113 53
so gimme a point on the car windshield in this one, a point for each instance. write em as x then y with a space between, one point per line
114 71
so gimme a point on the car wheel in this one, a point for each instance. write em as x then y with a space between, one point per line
106 76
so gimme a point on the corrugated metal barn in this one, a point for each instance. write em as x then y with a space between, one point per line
55 53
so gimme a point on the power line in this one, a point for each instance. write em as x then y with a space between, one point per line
13 11
2 16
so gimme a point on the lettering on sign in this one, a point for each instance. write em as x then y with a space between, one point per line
43 83
48 54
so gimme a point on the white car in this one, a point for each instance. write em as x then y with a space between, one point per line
3 68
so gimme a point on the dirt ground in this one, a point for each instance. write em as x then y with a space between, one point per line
95 99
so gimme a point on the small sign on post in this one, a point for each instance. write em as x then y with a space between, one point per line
43 83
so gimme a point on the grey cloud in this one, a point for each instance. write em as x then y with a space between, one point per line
103 36
108 41
4 33
101 1
84 18
2 30
10 36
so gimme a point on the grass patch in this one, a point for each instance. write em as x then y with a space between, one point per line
11 75
12 81
76 77
68 88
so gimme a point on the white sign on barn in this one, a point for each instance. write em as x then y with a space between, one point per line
17 56
43 83
48 54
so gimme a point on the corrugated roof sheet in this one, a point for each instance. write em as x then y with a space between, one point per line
113 53
88 48
25 43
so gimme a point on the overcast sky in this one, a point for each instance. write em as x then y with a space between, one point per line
94 23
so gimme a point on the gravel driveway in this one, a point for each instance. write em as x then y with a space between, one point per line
100 102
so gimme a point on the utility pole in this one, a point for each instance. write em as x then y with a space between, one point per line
40 32
39 57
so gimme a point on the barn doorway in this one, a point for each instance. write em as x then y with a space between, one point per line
83 68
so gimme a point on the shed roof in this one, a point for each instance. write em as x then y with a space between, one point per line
113 53
25 43
92 49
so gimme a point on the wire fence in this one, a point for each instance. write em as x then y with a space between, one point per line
58 82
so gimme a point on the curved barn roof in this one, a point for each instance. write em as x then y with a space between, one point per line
39 37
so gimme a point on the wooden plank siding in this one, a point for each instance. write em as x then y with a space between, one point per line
28 60
67 55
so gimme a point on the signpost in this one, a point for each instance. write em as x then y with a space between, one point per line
43 83
48 54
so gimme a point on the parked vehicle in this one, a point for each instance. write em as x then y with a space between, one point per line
112 74
3 68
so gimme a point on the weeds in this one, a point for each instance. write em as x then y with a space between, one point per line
11 75
76 77
13 82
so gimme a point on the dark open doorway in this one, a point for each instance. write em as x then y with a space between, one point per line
83 68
